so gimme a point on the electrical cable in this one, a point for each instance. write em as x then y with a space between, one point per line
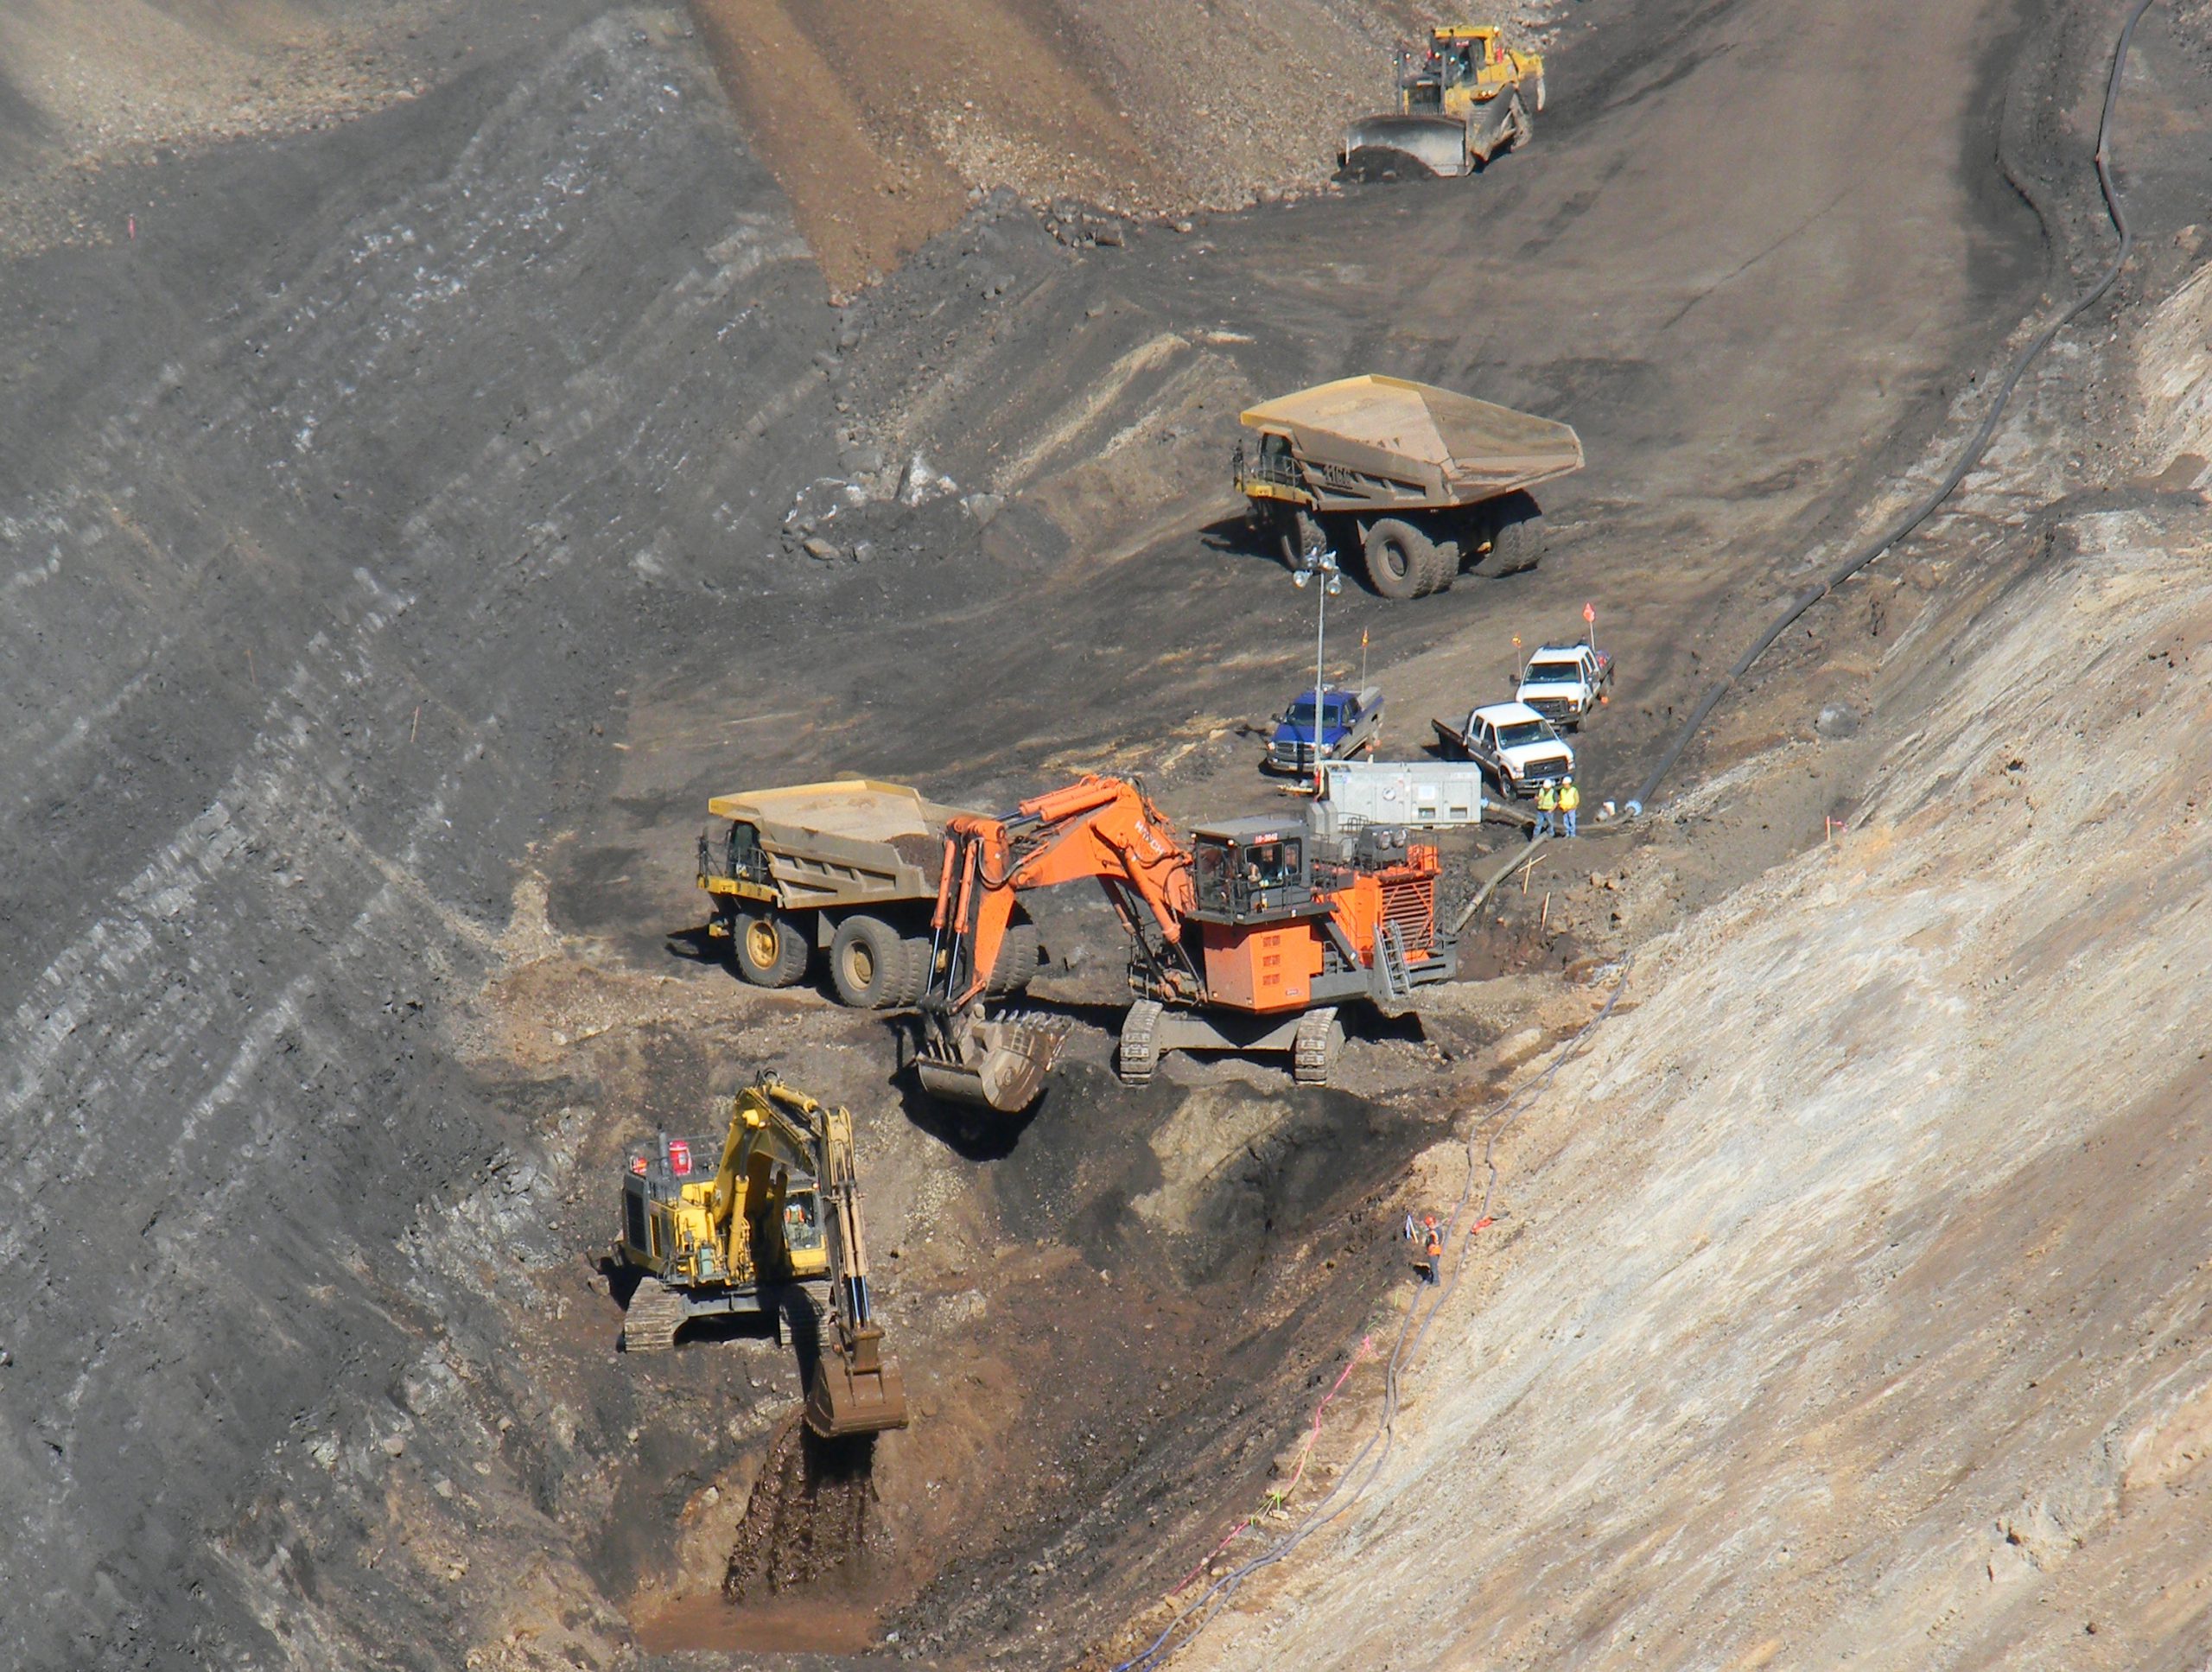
1968 456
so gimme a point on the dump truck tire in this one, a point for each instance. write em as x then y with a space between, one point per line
1017 959
1442 568
1517 536
769 950
916 971
1298 533
867 962
1398 557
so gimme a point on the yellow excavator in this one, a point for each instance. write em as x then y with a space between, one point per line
777 1214
1461 101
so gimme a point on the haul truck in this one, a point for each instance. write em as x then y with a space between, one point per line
848 869
1417 481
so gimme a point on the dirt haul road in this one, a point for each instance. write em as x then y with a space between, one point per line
402 519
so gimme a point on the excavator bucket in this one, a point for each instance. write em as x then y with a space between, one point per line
1406 145
999 1065
863 1394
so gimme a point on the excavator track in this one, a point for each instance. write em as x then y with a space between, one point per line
1139 1055
1313 1054
656 1313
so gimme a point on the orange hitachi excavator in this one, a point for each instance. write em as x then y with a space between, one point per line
1246 938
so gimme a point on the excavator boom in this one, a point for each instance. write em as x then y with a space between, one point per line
854 1389
1105 828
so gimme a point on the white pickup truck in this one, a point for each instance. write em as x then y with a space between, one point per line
1513 743
1563 682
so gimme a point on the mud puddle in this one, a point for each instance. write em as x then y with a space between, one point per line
810 1567
785 1626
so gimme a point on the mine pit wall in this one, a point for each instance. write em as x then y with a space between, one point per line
194 834
1908 1140
1205 1251
329 545
1859 1309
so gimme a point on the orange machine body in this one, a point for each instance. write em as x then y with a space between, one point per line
1403 896
1250 932
1261 967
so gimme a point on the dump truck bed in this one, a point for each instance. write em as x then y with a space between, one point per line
852 843
1457 448
861 809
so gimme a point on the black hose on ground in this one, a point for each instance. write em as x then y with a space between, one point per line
1968 456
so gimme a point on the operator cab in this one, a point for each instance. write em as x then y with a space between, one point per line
1250 868
667 1170
736 853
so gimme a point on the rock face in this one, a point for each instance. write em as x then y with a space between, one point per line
394 516
296 646
1089 112
1859 1317
1908 1140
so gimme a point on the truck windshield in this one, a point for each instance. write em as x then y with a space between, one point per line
1522 733
1302 712
1552 673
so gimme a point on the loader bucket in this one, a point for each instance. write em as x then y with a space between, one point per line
862 1395
998 1064
1406 145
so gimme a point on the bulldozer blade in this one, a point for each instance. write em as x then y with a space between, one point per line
1406 145
843 1400
998 1064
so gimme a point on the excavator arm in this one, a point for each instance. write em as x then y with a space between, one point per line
1104 829
855 1389
852 1388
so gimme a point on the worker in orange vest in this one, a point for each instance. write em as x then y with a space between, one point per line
1432 1249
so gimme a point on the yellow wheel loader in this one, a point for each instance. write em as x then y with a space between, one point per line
1464 99
776 1215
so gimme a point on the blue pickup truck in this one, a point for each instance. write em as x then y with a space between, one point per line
1351 723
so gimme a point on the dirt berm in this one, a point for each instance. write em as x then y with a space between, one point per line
431 465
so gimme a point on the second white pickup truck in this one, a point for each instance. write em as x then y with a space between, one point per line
1563 682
